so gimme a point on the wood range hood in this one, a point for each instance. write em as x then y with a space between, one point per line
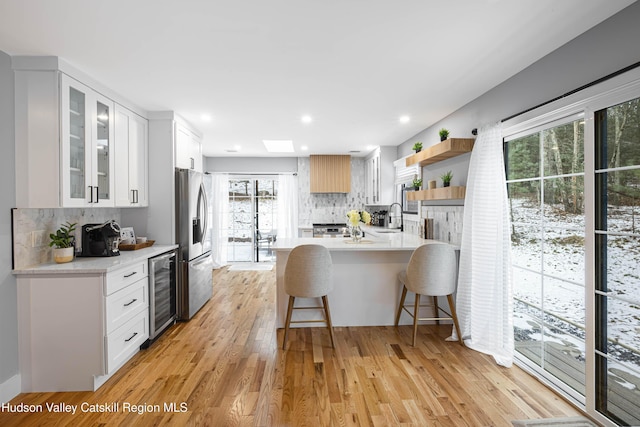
330 173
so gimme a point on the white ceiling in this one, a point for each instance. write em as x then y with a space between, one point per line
257 66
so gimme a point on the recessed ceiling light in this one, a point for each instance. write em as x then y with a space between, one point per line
306 119
205 117
237 147
404 119
304 148
278 145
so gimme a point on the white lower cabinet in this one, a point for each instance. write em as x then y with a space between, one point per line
76 330
125 304
122 343
305 232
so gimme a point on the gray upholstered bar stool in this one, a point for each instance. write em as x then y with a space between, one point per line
308 274
432 271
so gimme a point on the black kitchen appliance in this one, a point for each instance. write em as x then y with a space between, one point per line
163 298
100 239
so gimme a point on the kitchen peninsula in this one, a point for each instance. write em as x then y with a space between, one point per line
366 289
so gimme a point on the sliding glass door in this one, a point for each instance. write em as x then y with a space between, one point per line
617 237
545 173
573 178
252 218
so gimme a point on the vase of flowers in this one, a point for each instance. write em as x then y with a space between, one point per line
355 218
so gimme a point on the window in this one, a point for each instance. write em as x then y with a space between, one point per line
617 237
545 180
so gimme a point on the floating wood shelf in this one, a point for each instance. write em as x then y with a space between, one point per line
444 193
444 150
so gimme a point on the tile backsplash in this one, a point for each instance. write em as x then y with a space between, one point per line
331 207
31 224
447 222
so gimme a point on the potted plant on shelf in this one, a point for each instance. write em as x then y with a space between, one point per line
417 183
417 147
444 134
446 179
63 241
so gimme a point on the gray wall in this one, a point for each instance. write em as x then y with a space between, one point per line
251 164
604 49
8 291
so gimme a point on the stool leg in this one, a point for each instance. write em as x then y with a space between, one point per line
288 321
416 312
455 318
325 302
437 310
404 294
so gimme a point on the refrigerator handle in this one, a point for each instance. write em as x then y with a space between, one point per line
202 197
197 262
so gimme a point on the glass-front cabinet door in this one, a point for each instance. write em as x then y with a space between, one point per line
87 146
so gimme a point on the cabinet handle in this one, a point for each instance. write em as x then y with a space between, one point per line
131 337
90 194
131 302
97 194
129 275
136 201
193 162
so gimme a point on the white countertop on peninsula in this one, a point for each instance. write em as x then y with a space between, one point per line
96 265
384 242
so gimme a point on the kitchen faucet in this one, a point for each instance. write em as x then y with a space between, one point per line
401 220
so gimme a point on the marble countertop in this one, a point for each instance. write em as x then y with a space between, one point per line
96 265
382 242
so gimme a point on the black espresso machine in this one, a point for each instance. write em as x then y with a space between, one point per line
100 239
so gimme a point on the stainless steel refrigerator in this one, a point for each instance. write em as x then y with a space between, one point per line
193 234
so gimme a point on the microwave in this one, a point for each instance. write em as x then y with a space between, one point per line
409 206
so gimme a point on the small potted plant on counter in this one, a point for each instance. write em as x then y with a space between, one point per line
417 183
444 134
417 147
63 241
446 179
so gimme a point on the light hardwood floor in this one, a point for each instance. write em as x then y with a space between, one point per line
227 368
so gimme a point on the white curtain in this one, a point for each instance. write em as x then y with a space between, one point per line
220 218
287 206
484 296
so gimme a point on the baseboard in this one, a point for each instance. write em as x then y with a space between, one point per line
10 388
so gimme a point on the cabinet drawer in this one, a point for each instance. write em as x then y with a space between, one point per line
126 303
125 341
122 278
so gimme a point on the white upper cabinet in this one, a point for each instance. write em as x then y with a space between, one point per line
87 162
379 176
131 158
65 140
188 149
